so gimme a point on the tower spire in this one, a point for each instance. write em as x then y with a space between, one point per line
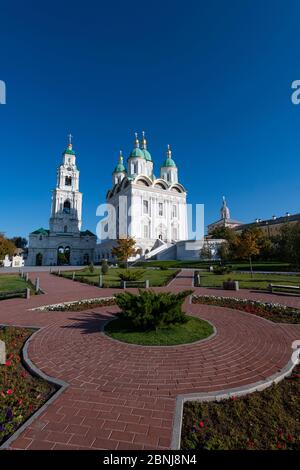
136 141
169 151
144 141
70 137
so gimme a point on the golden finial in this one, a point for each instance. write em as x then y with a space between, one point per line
121 157
144 141
136 142
70 137
169 151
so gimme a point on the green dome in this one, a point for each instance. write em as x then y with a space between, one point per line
69 151
169 162
120 168
137 153
147 155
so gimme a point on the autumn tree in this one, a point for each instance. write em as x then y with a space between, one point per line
247 246
124 249
6 247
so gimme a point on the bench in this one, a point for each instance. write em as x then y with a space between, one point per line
15 293
282 287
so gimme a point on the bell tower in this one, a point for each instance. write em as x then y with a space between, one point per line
66 198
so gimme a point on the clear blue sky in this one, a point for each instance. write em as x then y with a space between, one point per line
212 78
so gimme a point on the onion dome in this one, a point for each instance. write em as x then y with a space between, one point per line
168 161
120 168
69 150
146 153
136 151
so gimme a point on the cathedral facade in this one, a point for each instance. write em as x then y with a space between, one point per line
63 243
151 209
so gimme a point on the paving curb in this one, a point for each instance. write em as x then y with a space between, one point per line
225 394
37 372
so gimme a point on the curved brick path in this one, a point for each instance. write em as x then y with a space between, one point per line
123 396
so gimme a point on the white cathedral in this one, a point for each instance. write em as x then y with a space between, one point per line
151 209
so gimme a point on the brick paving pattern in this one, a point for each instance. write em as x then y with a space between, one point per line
123 396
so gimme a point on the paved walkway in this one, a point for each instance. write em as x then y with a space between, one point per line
123 396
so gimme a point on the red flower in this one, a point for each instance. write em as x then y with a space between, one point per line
233 398
298 376
20 401
290 437
8 363
278 445
201 424
11 356
9 391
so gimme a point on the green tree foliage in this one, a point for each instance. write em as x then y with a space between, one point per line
124 249
19 242
131 275
288 244
205 252
104 267
151 310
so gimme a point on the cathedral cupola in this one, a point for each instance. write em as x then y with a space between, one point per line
168 170
146 152
136 151
119 171
136 159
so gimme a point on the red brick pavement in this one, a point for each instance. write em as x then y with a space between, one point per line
123 396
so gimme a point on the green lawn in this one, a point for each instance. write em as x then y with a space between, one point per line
239 266
193 330
259 281
156 277
9 282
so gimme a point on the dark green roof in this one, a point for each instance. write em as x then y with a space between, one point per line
87 232
41 231
136 153
147 155
168 162
69 152
120 168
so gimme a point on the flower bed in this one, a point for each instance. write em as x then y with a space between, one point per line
267 420
21 394
77 305
274 312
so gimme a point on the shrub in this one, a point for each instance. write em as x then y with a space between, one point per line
104 267
222 270
151 310
131 275
91 267
163 268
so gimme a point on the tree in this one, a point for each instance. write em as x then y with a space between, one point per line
124 249
224 251
19 242
104 267
287 244
224 233
205 252
6 247
247 246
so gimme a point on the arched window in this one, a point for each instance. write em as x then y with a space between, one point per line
68 181
65 229
67 207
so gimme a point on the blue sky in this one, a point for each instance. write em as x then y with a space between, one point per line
213 79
